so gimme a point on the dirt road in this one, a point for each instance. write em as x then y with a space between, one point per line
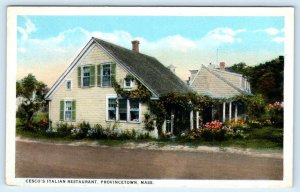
50 160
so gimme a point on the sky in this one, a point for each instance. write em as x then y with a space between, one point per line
48 44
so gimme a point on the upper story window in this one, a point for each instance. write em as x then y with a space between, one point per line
86 76
69 84
127 83
106 75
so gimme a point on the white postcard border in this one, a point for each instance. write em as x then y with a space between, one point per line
287 12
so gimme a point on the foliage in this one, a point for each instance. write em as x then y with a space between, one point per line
215 131
213 125
148 122
81 131
85 131
31 93
275 113
239 124
141 93
256 107
40 121
265 78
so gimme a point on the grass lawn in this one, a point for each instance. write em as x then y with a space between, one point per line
258 138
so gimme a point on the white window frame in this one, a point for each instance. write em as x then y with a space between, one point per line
106 108
71 84
128 87
101 75
128 109
117 111
65 102
86 65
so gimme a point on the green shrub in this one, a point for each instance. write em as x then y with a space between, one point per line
97 132
63 129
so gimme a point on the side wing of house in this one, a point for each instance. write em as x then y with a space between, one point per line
86 93
236 79
206 83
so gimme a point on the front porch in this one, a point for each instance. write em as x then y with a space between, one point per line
178 121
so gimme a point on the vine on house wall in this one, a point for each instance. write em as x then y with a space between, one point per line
180 102
141 93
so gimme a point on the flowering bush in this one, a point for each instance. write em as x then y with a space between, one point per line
215 130
239 124
215 125
275 113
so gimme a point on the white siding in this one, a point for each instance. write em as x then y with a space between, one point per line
90 102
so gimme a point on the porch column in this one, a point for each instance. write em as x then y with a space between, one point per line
230 110
235 112
191 120
172 123
197 119
224 111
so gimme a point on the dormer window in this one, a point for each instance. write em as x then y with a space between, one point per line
127 83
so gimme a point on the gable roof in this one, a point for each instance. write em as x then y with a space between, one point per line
229 86
148 70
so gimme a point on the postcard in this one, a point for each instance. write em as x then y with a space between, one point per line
196 97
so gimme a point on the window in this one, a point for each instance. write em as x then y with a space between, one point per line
68 110
112 109
134 110
123 109
86 76
69 84
127 83
106 75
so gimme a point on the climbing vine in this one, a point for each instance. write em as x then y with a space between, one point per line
179 103
141 93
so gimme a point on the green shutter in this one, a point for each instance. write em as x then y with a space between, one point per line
61 116
98 75
74 110
79 76
92 76
113 72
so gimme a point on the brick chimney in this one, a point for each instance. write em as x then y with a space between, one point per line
135 45
222 65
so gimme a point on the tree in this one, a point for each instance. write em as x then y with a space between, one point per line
265 78
31 93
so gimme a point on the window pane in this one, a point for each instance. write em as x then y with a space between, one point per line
86 81
86 76
106 75
123 109
134 110
112 114
68 111
106 70
106 81
127 82
68 115
68 84
112 109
